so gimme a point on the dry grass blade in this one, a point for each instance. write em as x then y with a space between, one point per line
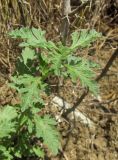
14 13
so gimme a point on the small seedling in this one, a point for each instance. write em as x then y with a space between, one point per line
23 130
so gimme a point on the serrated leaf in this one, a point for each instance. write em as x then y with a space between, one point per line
23 33
84 38
45 128
33 37
8 113
18 154
83 71
51 45
5 153
28 54
93 64
73 60
38 151
30 126
56 63
29 88
57 58
7 123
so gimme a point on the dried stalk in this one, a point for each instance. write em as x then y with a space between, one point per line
65 20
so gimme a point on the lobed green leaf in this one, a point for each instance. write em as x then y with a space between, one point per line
45 128
7 121
84 38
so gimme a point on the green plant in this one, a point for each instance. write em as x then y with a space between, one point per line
24 130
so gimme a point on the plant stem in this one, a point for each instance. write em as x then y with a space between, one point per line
86 91
108 65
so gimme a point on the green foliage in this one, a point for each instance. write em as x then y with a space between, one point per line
5 153
27 54
29 88
84 38
22 128
38 151
54 57
32 37
7 123
29 124
81 68
46 130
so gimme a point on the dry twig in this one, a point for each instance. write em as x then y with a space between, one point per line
65 20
